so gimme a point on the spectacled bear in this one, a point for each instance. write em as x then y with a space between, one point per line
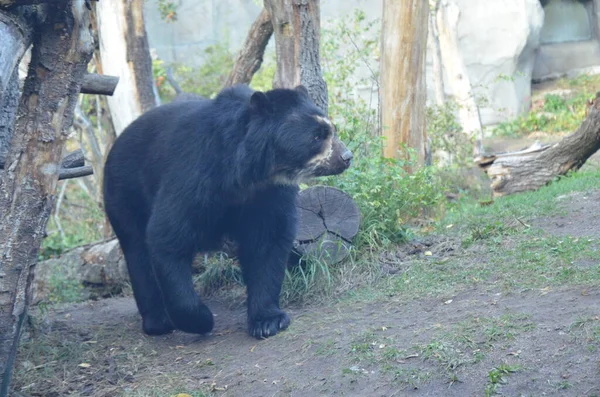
185 175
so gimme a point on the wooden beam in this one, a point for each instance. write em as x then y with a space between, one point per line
99 84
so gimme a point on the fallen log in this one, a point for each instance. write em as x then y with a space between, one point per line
536 166
329 220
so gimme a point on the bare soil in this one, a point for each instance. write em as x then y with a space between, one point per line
480 342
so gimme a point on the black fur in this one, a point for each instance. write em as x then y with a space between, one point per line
184 175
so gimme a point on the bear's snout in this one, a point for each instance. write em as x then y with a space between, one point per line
347 156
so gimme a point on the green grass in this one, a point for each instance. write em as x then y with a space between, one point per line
556 113
498 376
518 207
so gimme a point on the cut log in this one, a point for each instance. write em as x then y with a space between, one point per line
329 220
99 84
538 165
251 55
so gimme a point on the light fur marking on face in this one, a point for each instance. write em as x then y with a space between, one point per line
325 154
324 120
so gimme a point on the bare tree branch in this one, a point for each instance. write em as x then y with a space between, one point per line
251 55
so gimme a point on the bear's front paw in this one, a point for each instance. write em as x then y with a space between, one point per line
269 326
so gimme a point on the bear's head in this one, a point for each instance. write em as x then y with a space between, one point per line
300 142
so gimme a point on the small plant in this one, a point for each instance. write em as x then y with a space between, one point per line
497 376
168 10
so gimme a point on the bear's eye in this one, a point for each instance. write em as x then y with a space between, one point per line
317 138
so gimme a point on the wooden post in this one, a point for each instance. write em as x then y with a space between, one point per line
403 90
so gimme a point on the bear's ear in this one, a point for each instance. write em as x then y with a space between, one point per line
302 90
259 103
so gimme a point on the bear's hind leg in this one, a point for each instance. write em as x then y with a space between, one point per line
128 224
155 320
171 243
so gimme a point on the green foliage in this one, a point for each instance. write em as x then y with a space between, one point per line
55 244
306 281
561 112
168 10
447 136
206 80
64 288
388 196
81 221
263 79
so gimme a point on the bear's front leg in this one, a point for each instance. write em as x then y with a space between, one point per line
265 233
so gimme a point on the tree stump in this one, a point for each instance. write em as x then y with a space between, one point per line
329 220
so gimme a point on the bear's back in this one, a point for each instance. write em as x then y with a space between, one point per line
178 141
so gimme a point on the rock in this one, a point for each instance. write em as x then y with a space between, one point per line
94 271
499 41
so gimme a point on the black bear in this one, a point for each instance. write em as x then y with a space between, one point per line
186 174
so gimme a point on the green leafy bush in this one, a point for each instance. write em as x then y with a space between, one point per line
388 196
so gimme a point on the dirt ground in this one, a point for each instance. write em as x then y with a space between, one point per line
480 342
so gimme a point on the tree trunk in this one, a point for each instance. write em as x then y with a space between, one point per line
251 55
62 48
436 57
468 111
297 28
124 49
538 165
15 36
403 90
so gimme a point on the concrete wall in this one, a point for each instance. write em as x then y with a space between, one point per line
202 23
496 38
568 44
